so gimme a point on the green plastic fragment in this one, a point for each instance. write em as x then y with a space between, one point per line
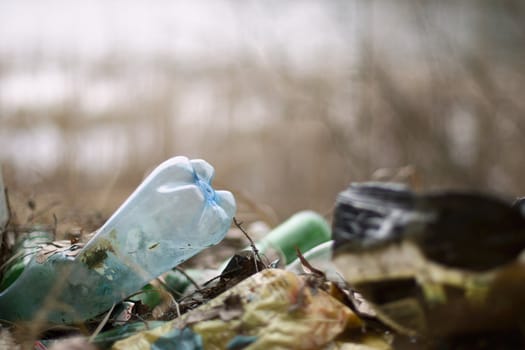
24 251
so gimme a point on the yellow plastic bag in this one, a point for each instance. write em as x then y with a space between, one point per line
273 309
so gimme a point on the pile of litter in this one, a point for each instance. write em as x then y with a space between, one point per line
395 270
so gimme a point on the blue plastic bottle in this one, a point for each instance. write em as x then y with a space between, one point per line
171 216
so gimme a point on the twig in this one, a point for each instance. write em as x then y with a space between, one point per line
55 225
142 291
9 210
167 288
211 280
252 244
192 281
141 319
307 264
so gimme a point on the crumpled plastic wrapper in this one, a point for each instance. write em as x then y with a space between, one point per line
273 309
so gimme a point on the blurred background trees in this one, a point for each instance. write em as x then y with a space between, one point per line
290 101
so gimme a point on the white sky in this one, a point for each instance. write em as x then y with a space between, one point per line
184 28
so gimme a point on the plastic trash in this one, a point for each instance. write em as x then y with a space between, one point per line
24 250
273 309
171 216
170 338
437 264
105 339
304 230
465 230
519 204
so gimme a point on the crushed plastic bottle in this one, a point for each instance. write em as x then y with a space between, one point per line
171 216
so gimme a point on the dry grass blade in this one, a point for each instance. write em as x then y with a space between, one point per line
192 281
101 324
